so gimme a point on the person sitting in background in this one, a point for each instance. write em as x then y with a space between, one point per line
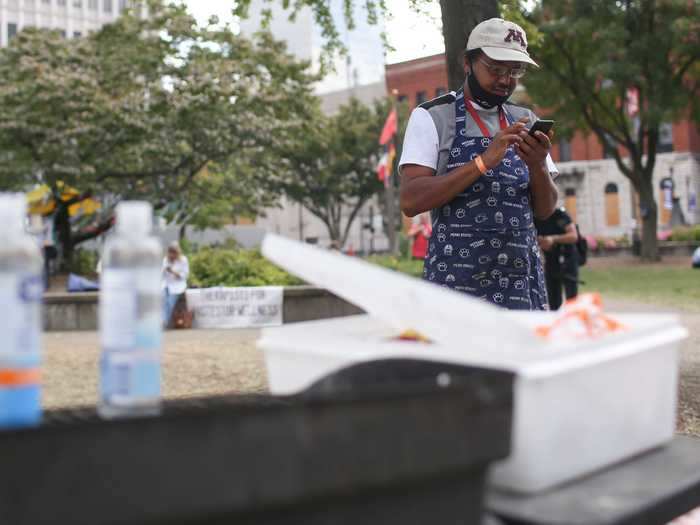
420 233
557 237
176 269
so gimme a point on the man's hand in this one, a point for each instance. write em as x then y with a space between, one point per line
545 242
493 156
534 150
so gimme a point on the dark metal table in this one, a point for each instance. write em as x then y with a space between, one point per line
650 489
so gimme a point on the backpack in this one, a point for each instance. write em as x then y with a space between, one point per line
581 248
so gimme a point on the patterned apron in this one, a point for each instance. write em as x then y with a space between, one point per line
484 241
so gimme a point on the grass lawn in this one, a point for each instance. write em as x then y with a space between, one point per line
668 283
671 282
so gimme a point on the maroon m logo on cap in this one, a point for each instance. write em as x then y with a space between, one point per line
515 36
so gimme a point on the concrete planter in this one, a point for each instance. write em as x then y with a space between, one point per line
78 311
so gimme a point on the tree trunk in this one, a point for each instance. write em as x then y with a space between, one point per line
458 19
182 233
649 213
63 236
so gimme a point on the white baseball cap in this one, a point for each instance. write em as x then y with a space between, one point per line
500 40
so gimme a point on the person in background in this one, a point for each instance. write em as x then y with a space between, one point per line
176 269
420 233
557 237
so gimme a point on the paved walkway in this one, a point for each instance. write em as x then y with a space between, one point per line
206 362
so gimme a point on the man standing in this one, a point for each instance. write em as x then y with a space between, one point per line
557 237
468 157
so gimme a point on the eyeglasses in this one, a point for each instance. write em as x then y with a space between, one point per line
502 71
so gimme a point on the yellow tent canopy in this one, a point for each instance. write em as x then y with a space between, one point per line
40 201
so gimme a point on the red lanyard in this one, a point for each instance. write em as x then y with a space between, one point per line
501 118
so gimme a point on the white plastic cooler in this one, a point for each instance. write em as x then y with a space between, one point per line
579 405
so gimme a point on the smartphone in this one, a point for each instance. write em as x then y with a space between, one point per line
541 125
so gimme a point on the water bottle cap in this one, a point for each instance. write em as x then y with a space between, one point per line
134 218
13 211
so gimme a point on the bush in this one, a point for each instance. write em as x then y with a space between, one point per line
84 262
400 264
686 234
214 266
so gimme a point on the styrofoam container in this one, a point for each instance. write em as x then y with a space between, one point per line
579 406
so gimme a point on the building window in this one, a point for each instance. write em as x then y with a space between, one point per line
92 4
403 98
421 97
665 144
564 151
440 91
612 205
570 202
122 5
61 2
11 31
77 34
78 3
47 2
107 6
63 33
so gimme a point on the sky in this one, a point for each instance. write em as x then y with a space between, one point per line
412 35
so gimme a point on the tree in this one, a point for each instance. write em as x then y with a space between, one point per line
141 107
331 169
594 53
458 19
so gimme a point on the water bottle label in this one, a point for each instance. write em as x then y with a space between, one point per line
20 311
130 378
118 302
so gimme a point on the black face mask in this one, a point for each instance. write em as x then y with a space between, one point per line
483 97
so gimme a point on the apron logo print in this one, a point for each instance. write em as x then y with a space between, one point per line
516 233
460 213
498 297
463 132
518 263
491 201
432 277
448 250
478 244
519 284
442 237
480 218
433 259
479 276
446 210
474 203
502 259
486 282
524 200
496 187
442 227
524 185
432 247
496 274
468 142
516 158
442 266
450 278
498 217
496 243
527 216
473 156
514 222
489 173
506 163
510 191
455 152
462 107
484 259
477 187
464 253
519 171
485 142
503 282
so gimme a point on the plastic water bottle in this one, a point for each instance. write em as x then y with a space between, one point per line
130 315
21 290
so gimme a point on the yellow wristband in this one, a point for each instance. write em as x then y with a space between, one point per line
480 164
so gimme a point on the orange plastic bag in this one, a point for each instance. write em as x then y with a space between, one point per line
581 317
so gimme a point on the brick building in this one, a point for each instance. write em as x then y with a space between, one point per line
590 186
